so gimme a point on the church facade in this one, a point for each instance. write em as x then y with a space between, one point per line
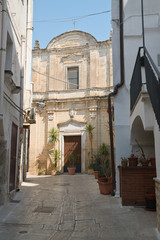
72 78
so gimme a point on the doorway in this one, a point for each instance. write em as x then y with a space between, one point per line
72 145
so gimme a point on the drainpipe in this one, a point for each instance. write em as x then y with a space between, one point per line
28 63
19 170
2 59
115 91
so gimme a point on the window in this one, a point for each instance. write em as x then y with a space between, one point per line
9 48
73 77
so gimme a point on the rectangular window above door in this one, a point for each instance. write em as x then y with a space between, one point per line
73 77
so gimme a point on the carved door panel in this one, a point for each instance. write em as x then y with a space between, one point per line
72 145
13 157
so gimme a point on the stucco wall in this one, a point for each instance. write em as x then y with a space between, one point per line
132 36
14 40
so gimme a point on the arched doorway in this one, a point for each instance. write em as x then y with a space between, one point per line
144 138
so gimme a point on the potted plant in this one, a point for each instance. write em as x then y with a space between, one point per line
96 165
105 179
41 172
124 161
71 164
90 165
89 129
133 161
144 162
56 156
52 153
152 161
90 168
142 159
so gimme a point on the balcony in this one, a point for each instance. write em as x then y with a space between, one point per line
10 83
145 93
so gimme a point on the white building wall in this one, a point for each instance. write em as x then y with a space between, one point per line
13 19
132 23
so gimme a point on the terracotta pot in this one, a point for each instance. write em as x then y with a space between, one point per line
103 179
105 188
53 172
152 161
71 170
145 162
90 171
109 179
133 161
150 200
96 174
124 164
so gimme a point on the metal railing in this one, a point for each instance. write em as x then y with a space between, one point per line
136 81
153 86
152 81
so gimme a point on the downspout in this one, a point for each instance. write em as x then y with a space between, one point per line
19 170
2 61
115 91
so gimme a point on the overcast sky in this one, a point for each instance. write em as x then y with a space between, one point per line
53 17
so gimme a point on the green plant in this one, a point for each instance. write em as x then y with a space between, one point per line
96 162
41 171
91 166
71 160
103 152
142 158
56 156
140 149
124 161
53 135
89 129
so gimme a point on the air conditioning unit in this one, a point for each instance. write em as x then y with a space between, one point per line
32 116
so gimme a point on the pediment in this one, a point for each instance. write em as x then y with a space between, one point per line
73 38
72 57
72 125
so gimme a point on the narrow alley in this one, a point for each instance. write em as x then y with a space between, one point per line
71 208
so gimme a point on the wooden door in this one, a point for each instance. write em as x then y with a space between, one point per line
13 157
72 145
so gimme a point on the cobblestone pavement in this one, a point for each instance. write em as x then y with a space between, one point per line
71 208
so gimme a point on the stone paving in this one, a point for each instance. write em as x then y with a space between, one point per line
71 208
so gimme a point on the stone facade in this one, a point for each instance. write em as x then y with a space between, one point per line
70 109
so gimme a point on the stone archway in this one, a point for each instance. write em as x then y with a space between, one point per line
73 128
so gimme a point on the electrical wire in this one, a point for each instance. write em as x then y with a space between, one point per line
13 104
60 80
71 19
136 15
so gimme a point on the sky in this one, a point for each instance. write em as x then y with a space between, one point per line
54 17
